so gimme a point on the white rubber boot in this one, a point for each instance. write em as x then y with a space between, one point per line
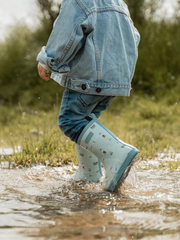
116 156
89 166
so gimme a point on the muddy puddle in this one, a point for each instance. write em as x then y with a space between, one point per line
44 203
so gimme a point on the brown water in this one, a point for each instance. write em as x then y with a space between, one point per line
44 203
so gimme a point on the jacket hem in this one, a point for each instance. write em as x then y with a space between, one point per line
93 88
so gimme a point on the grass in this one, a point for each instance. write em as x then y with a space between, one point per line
150 126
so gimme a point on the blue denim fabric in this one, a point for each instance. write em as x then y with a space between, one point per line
75 109
93 47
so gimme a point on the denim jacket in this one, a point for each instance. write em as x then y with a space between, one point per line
93 47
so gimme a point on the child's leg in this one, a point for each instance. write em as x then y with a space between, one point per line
89 165
116 156
75 109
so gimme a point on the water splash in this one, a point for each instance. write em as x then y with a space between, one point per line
34 199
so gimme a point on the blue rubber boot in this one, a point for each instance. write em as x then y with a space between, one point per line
89 166
116 156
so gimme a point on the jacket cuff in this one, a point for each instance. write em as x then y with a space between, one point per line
44 66
42 56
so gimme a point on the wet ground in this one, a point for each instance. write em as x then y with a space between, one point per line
44 203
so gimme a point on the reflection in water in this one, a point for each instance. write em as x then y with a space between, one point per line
40 202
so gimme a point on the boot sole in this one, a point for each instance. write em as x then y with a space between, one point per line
123 172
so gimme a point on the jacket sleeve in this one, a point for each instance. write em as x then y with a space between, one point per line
67 37
137 36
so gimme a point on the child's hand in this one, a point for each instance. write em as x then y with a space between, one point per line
43 73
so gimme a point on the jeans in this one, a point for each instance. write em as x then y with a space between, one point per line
75 109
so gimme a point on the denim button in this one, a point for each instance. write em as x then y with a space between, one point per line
83 87
98 90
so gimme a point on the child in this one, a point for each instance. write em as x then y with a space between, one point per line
92 52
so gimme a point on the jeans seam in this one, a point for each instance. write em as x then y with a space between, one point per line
67 98
84 103
80 99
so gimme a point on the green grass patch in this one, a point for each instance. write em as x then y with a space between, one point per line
150 126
